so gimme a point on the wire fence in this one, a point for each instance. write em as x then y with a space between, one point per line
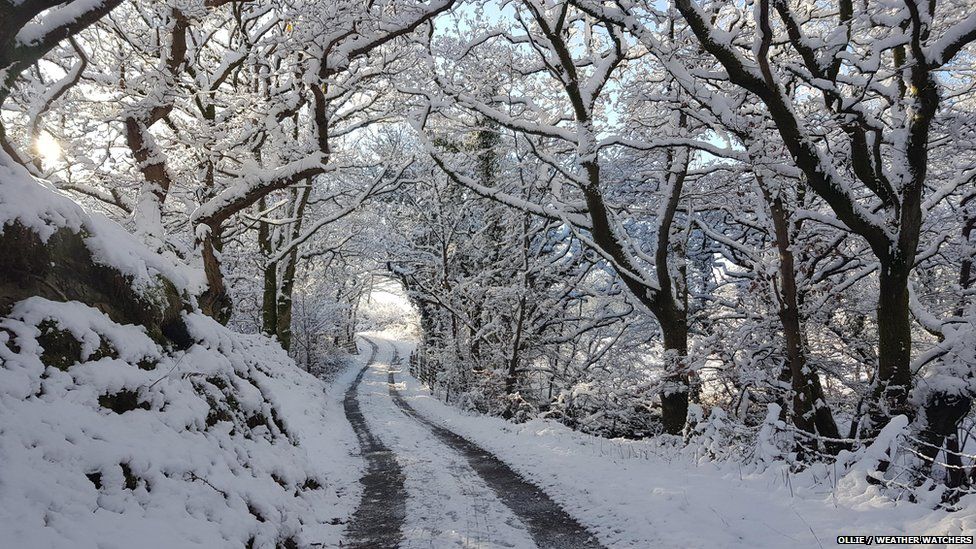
902 462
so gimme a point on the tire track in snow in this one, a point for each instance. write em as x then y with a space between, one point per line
378 520
548 524
447 505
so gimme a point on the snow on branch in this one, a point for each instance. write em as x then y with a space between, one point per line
953 41
256 183
360 43
547 211
381 184
31 41
670 142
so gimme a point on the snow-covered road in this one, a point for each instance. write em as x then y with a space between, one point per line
456 494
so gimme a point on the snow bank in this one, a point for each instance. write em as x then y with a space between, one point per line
109 440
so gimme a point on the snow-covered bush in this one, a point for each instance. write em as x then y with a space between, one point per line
608 407
711 437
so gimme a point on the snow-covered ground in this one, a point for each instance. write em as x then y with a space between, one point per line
312 409
631 494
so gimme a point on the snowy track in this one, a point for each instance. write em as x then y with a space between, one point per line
378 521
454 493
549 525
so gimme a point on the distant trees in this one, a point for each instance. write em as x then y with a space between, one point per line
498 290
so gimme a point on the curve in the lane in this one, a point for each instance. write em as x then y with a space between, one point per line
549 525
378 521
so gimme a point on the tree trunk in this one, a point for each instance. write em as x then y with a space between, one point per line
677 387
810 412
284 314
512 377
215 301
269 305
894 378
286 285
269 302
942 415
